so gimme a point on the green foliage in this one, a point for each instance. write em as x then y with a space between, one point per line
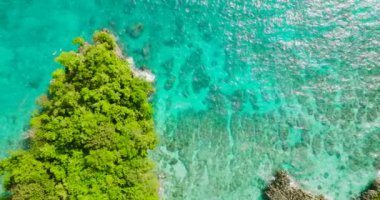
79 41
91 136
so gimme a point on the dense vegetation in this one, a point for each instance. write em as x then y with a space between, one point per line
91 136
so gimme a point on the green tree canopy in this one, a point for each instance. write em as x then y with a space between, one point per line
91 136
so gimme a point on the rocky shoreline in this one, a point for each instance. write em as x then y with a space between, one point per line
141 73
284 188
372 193
144 73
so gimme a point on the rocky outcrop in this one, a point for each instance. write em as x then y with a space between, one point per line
373 192
145 74
282 188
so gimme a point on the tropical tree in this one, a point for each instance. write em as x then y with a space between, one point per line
91 136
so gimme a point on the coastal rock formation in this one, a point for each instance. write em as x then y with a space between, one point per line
141 73
373 192
282 188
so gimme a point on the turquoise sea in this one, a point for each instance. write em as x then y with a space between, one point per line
243 87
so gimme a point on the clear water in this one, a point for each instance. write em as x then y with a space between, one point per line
243 87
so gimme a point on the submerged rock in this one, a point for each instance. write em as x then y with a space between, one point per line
283 188
145 52
135 30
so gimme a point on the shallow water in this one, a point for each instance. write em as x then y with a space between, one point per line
242 87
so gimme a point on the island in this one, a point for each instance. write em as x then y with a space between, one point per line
91 135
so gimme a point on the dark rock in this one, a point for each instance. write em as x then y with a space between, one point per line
282 189
135 30
173 161
372 193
